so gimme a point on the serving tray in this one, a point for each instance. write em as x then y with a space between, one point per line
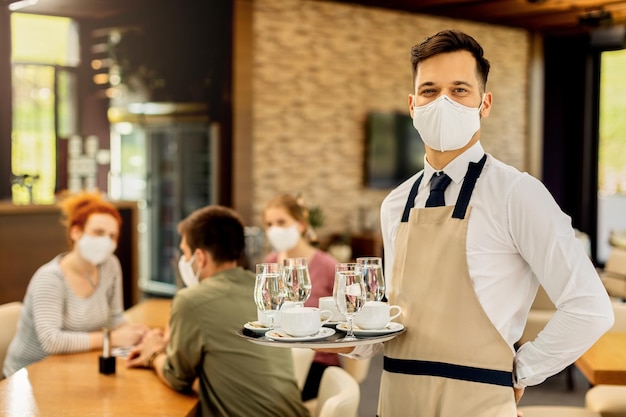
333 341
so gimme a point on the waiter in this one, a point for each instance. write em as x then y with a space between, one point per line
468 240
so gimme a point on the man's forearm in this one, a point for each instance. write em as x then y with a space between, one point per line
157 365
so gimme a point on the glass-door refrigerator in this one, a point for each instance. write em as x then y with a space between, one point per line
169 167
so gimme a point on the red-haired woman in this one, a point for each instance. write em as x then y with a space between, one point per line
70 299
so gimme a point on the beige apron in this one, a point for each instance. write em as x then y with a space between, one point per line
452 361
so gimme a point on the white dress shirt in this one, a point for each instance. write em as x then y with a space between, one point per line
517 239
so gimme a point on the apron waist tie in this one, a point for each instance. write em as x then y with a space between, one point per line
448 370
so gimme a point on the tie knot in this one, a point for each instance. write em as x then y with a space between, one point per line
439 182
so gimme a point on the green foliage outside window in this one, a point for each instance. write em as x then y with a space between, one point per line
612 158
41 47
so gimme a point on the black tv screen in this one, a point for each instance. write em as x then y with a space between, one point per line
394 149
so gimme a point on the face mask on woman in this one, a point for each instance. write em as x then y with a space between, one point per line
445 125
187 274
96 249
283 238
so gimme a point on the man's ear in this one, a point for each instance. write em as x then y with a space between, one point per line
200 258
487 102
411 103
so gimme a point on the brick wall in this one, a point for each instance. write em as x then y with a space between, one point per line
320 67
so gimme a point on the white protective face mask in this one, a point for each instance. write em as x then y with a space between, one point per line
96 249
187 274
445 125
283 238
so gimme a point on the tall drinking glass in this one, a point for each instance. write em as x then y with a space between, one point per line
372 268
349 293
269 289
297 280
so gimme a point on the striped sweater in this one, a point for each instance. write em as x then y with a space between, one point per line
55 320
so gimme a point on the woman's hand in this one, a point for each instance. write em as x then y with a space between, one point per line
128 334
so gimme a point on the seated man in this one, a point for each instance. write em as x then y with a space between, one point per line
235 377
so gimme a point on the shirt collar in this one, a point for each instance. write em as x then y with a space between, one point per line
457 168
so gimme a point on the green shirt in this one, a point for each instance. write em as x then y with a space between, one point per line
237 378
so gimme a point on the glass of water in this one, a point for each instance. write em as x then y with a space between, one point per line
349 293
297 280
374 280
269 289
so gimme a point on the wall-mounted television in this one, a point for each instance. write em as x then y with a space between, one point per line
394 150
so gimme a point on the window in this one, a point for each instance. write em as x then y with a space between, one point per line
44 55
612 151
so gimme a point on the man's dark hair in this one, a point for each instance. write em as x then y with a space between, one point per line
451 41
216 229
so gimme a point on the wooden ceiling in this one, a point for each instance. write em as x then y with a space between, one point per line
546 16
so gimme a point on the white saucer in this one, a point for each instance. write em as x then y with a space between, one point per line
391 327
278 334
256 327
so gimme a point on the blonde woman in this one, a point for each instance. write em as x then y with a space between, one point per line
286 227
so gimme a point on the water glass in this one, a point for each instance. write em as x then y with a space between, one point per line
373 277
349 293
269 289
297 280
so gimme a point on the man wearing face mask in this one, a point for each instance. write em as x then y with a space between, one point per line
467 242
234 377
71 298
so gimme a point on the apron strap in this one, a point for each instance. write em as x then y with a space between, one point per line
473 172
448 370
410 202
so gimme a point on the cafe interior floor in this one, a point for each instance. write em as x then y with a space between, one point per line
553 391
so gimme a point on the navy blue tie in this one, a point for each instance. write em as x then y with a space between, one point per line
438 184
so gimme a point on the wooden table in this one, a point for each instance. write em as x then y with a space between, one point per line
605 361
154 312
71 386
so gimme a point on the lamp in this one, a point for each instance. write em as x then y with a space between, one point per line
20 4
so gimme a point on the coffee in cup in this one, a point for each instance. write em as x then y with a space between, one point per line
376 315
303 321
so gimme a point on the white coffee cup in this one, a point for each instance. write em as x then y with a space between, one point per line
376 315
303 321
328 303
265 320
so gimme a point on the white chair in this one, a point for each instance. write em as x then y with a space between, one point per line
556 411
357 368
339 395
302 359
608 400
619 310
9 316
614 273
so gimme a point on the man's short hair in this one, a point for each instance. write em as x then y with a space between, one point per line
451 41
215 229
